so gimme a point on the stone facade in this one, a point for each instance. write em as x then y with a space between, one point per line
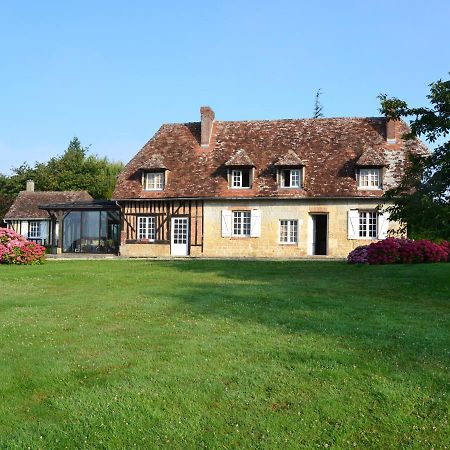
272 211
267 244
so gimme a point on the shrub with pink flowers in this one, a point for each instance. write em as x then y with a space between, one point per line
15 249
393 250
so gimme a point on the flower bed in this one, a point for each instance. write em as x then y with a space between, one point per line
15 249
392 250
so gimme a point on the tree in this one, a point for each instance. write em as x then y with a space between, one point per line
73 170
422 199
318 108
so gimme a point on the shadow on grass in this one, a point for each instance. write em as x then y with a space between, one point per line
391 312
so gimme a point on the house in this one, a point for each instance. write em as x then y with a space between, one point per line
267 188
25 217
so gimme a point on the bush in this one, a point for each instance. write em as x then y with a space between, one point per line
359 255
15 249
392 250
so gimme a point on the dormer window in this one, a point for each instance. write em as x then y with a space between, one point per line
240 178
153 181
369 178
291 178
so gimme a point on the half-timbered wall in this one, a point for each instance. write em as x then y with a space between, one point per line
163 211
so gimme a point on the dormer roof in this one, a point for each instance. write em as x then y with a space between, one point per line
290 159
155 162
239 158
371 157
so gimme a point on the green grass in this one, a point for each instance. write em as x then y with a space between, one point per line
224 354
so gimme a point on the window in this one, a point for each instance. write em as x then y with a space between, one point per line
368 221
34 229
240 178
241 223
147 228
154 181
288 231
291 178
369 178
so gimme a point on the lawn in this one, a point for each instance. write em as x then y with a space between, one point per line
224 354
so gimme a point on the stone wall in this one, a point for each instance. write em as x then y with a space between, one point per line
267 245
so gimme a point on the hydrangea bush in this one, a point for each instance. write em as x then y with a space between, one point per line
392 250
15 249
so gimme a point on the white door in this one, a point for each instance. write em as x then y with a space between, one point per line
179 236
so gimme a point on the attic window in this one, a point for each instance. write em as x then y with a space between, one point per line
153 181
291 178
369 178
240 178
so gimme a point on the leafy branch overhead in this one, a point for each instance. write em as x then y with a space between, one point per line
422 199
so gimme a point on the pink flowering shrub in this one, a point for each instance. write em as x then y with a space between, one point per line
393 250
15 249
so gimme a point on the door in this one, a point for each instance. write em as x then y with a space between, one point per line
179 236
320 234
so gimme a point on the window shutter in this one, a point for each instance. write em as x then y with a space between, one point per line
226 223
255 228
383 223
24 228
353 224
44 229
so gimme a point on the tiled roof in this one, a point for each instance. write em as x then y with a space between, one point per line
239 158
154 162
329 149
26 205
290 159
371 157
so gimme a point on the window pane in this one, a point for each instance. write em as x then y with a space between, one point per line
241 223
155 181
295 178
237 178
246 178
362 224
286 178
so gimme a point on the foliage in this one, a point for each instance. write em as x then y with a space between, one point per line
318 108
224 355
422 200
15 249
392 250
73 170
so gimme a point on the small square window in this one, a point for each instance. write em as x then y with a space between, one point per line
34 229
369 178
154 181
240 178
147 227
241 223
288 231
368 224
291 178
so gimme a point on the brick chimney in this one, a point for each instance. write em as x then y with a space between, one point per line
207 119
391 131
30 186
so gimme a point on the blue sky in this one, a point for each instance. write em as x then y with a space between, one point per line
112 72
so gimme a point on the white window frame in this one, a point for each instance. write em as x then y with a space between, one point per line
146 228
241 223
154 181
369 178
34 229
368 224
292 173
236 179
291 231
